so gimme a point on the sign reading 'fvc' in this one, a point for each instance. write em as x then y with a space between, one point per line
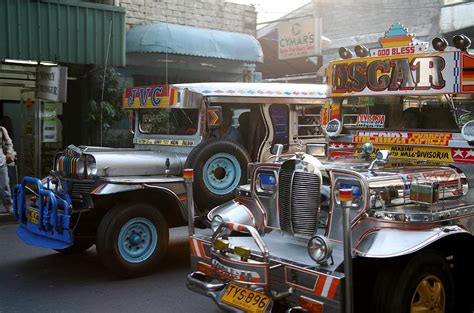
146 97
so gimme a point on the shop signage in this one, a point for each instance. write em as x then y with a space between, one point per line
146 97
299 38
51 83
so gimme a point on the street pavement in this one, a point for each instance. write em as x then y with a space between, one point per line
40 280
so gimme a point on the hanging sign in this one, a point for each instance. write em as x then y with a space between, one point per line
299 38
51 83
145 97
50 130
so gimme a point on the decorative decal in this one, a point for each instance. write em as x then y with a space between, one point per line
397 36
165 142
403 138
370 121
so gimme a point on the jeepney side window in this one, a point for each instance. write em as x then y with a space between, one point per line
309 121
168 121
437 113
279 114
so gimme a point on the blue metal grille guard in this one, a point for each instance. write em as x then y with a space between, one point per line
52 229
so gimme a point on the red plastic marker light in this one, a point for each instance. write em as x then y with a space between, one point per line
345 195
188 174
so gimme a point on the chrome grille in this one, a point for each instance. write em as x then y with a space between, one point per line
79 190
299 197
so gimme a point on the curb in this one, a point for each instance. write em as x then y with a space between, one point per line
7 218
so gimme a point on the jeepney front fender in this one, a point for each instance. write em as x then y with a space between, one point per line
385 242
171 185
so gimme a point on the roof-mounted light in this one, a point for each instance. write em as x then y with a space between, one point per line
361 51
345 53
462 42
439 43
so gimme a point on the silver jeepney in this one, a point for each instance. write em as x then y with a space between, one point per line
125 200
385 223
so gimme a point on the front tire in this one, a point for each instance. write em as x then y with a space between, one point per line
424 284
132 239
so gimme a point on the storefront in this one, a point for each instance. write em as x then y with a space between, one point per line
47 49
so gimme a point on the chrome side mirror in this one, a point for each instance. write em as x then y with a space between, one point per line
382 157
367 150
277 150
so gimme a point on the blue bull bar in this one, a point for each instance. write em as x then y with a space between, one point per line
45 221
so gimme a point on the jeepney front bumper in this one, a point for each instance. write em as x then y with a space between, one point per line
292 281
44 219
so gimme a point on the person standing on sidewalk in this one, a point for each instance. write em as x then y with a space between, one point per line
7 155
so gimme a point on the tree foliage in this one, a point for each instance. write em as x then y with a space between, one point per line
103 114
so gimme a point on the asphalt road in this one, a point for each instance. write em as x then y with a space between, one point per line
39 280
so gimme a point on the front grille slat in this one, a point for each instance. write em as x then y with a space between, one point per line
299 200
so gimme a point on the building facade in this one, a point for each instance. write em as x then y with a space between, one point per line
346 23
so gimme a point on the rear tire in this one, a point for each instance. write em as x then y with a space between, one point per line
425 281
132 239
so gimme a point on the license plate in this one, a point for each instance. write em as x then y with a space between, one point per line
245 299
32 215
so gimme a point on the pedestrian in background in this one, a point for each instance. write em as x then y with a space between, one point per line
7 155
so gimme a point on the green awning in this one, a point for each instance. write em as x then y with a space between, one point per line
63 31
193 41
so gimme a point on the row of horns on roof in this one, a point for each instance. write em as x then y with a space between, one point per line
461 42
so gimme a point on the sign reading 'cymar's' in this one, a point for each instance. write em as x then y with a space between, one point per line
299 38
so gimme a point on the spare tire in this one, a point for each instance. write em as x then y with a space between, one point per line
219 165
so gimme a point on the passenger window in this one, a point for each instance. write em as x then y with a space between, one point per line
309 122
279 114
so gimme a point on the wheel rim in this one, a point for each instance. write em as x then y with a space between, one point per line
137 240
221 173
429 296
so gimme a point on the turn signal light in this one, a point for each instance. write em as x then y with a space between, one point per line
221 245
311 305
204 268
243 252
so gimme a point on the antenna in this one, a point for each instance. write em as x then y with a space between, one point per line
103 83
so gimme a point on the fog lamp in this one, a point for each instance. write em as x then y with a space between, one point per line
243 252
319 249
216 222
221 245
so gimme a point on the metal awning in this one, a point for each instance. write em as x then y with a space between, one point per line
193 41
62 31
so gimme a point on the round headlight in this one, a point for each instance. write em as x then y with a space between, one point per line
91 166
319 249
216 222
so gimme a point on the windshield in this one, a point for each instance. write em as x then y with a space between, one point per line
438 113
169 121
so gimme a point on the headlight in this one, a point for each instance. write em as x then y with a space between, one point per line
216 222
91 166
319 249
266 182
